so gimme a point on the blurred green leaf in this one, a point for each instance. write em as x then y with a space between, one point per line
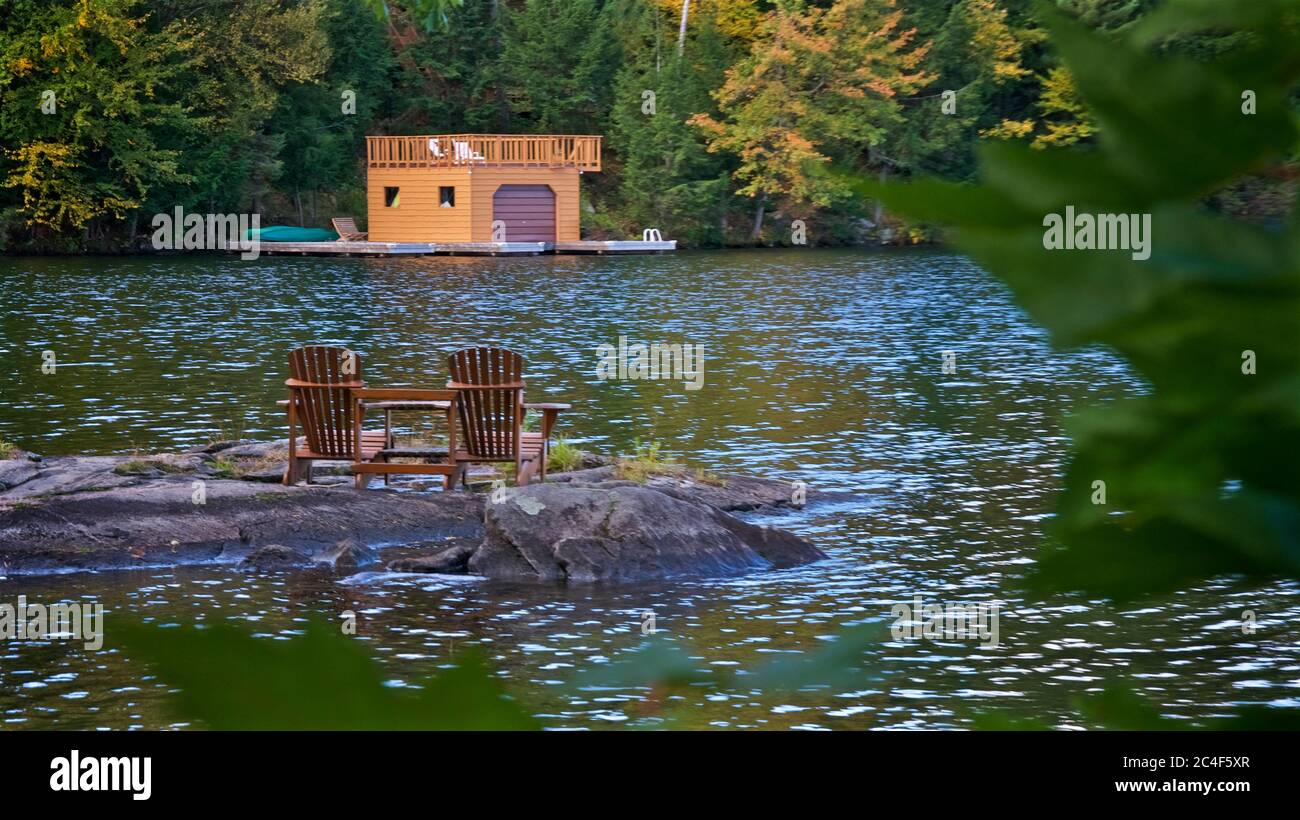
1175 124
657 662
945 202
840 662
1180 16
662 663
228 679
1122 710
1211 294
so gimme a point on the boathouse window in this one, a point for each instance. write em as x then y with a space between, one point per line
447 196
391 197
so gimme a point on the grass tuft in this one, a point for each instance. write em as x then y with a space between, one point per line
144 466
645 461
563 456
227 431
224 468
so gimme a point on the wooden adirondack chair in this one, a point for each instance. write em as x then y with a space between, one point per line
491 387
346 228
327 398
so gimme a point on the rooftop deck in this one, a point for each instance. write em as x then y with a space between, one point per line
485 150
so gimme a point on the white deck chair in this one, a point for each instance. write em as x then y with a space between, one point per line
436 150
465 154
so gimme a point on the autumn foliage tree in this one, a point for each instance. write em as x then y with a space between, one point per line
818 84
1063 117
81 104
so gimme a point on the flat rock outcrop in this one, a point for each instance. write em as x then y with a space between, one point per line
732 493
15 471
216 504
623 532
156 521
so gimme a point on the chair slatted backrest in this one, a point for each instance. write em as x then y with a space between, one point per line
322 378
491 385
345 226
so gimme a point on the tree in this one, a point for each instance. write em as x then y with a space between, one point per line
322 141
88 90
1063 118
447 82
667 177
982 59
681 32
819 83
558 65
246 54
433 15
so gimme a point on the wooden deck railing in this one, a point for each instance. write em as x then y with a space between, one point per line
487 150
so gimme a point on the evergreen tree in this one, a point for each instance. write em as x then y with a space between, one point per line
1062 118
668 179
448 82
979 67
557 66
324 122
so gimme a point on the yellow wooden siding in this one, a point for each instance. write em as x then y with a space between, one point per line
418 217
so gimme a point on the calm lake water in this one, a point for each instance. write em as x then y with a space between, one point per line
824 366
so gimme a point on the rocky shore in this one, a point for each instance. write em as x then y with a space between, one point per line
223 504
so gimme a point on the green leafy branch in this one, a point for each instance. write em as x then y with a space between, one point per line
228 679
1199 474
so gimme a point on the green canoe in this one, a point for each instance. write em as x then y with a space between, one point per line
290 233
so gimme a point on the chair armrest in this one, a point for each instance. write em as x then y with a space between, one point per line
549 411
330 385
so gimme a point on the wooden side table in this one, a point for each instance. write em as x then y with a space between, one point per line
390 451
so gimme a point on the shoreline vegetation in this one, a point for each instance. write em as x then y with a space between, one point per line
936 244
717 115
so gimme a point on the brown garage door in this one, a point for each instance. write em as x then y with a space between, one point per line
527 210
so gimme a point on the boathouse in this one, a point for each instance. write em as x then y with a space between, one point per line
477 187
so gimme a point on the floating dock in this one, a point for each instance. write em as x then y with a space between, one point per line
346 248
616 246
464 248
